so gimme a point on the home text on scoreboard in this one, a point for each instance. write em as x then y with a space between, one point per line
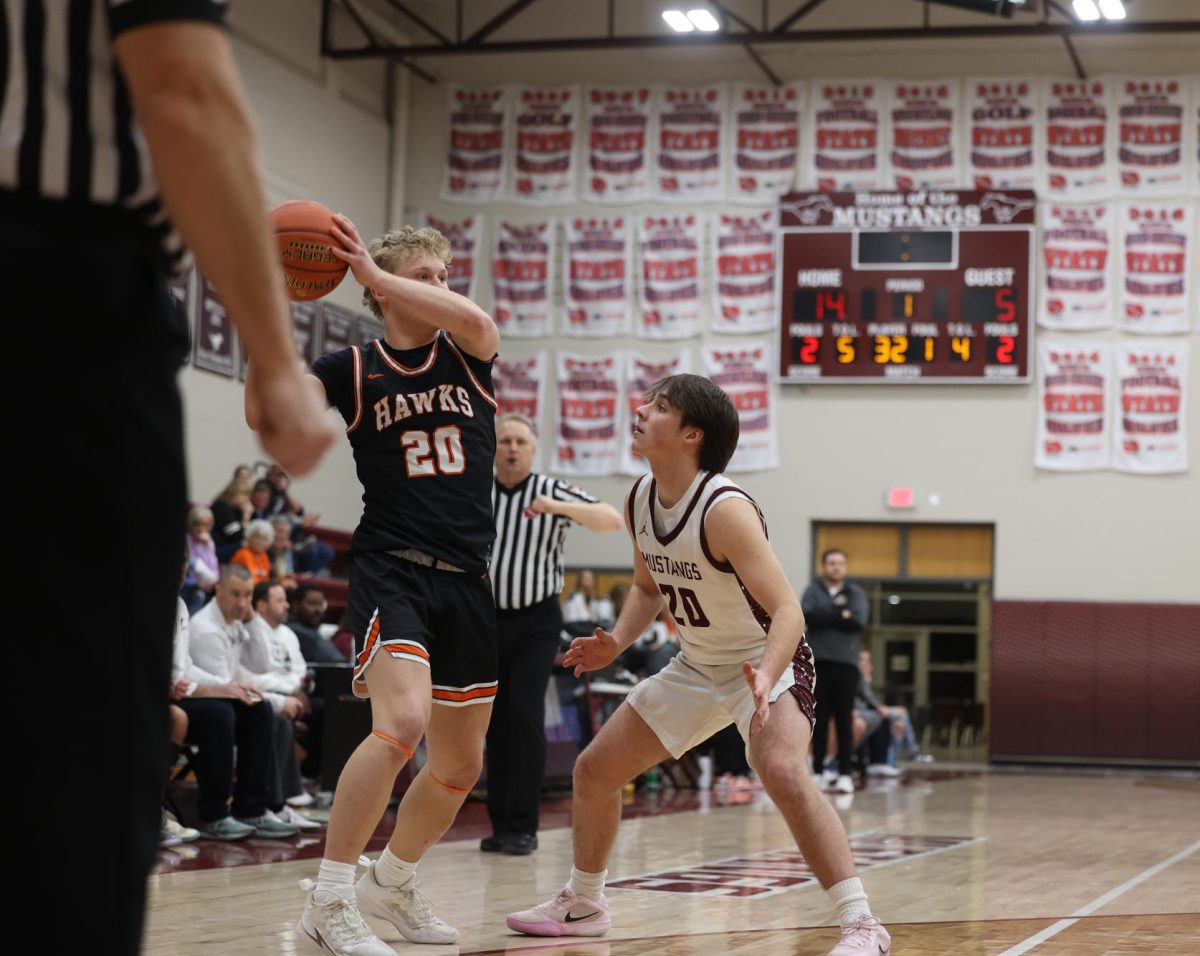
893 287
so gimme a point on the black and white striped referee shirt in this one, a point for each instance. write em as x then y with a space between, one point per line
67 131
527 558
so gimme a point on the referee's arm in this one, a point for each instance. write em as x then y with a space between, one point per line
189 102
594 515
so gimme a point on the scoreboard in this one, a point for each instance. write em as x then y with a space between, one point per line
893 287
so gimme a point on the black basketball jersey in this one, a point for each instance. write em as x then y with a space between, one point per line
422 424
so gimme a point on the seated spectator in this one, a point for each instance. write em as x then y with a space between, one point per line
200 576
260 501
654 648
231 510
584 606
255 556
308 606
310 555
273 665
283 569
225 716
899 734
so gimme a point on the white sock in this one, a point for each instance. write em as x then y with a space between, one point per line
588 885
337 878
850 899
390 870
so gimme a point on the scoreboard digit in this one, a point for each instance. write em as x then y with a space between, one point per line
925 286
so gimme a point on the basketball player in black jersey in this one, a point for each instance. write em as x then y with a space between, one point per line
420 418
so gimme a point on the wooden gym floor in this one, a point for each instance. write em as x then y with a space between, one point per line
981 861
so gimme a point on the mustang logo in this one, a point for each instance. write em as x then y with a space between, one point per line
809 210
1004 207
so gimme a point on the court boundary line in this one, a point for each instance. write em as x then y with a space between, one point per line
1053 930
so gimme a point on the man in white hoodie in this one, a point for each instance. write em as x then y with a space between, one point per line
273 665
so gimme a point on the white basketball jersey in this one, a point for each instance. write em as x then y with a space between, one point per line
719 622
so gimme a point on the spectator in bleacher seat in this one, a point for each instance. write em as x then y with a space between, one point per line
260 501
255 554
308 606
584 605
310 554
200 575
224 712
283 567
274 666
896 734
231 510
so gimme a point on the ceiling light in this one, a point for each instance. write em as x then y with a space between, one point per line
677 20
703 20
1112 9
1086 9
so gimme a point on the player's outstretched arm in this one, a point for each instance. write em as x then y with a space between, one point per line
471 328
597 516
188 99
735 534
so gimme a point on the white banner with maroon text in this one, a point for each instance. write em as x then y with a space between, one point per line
669 293
848 125
599 276
1079 126
743 255
1151 122
743 370
641 372
520 385
620 143
1073 399
477 150
764 143
689 162
522 266
1150 437
545 130
923 145
1078 255
466 239
587 417
1156 249
1002 119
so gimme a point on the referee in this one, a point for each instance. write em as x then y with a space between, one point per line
121 122
532 514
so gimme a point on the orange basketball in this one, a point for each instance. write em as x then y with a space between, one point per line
303 230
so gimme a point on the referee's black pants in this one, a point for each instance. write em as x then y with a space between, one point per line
516 737
93 435
836 686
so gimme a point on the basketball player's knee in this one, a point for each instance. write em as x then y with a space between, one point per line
593 776
780 772
458 771
401 731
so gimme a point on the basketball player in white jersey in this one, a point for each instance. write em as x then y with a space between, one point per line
700 542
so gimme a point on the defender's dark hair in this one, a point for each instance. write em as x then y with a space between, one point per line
705 406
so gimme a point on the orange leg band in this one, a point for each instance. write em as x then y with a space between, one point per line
393 741
442 783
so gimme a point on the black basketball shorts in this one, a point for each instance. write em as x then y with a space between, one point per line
445 620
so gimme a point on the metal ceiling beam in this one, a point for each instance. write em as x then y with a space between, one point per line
497 21
423 24
388 50
750 51
1035 30
798 14
1078 63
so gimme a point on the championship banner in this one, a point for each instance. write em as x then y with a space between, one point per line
641 373
743 371
847 120
1077 266
476 150
599 255
1002 126
338 328
670 289
688 165
620 143
522 260
466 238
764 146
212 338
1079 130
1156 242
521 387
1150 156
306 321
1151 430
923 146
546 123
587 419
743 250
1072 428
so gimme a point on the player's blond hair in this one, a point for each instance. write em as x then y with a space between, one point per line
396 245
